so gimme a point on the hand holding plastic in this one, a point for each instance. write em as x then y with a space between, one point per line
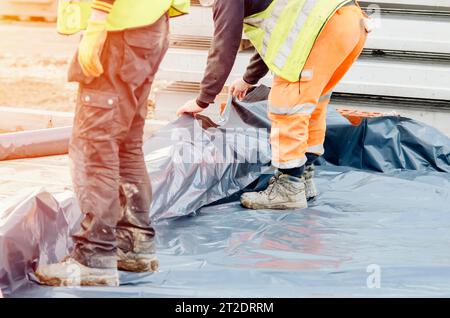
190 107
239 88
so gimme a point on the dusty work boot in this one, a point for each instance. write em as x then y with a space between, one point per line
69 272
136 262
310 186
134 232
283 192
136 252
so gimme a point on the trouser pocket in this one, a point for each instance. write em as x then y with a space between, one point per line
144 49
75 73
94 118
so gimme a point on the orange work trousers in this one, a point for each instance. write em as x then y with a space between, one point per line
298 109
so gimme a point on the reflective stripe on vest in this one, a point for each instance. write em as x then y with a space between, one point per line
286 31
285 50
269 23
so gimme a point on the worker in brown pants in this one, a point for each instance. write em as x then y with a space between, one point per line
108 168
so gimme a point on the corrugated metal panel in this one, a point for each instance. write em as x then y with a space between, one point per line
411 33
198 22
422 33
368 76
436 4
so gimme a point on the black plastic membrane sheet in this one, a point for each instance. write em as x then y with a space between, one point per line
380 226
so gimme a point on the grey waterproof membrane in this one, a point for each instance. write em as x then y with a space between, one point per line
379 227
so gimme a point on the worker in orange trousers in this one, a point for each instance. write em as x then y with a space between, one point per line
297 109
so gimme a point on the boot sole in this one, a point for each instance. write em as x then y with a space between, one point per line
138 266
277 206
112 281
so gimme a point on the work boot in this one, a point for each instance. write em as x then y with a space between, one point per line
69 272
283 192
310 187
136 252
136 262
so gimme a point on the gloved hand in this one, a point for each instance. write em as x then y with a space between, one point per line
190 108
90 48
239 88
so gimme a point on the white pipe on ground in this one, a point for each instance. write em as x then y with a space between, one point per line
35 143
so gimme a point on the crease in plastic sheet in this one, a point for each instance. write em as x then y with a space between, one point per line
382 219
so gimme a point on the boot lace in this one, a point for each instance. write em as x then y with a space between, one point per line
273 184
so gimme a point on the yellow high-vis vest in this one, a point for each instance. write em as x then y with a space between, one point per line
284 34
73 15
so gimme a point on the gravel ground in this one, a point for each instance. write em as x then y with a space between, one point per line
33 67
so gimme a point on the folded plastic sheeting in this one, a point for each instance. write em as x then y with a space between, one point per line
386 143
367 234
193 163
35 229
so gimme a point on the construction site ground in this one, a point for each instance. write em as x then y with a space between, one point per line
33 66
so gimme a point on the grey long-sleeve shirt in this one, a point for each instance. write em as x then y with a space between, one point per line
228 22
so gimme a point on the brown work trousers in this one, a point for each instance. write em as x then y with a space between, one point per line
108 168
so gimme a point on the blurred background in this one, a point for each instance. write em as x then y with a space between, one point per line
404 69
